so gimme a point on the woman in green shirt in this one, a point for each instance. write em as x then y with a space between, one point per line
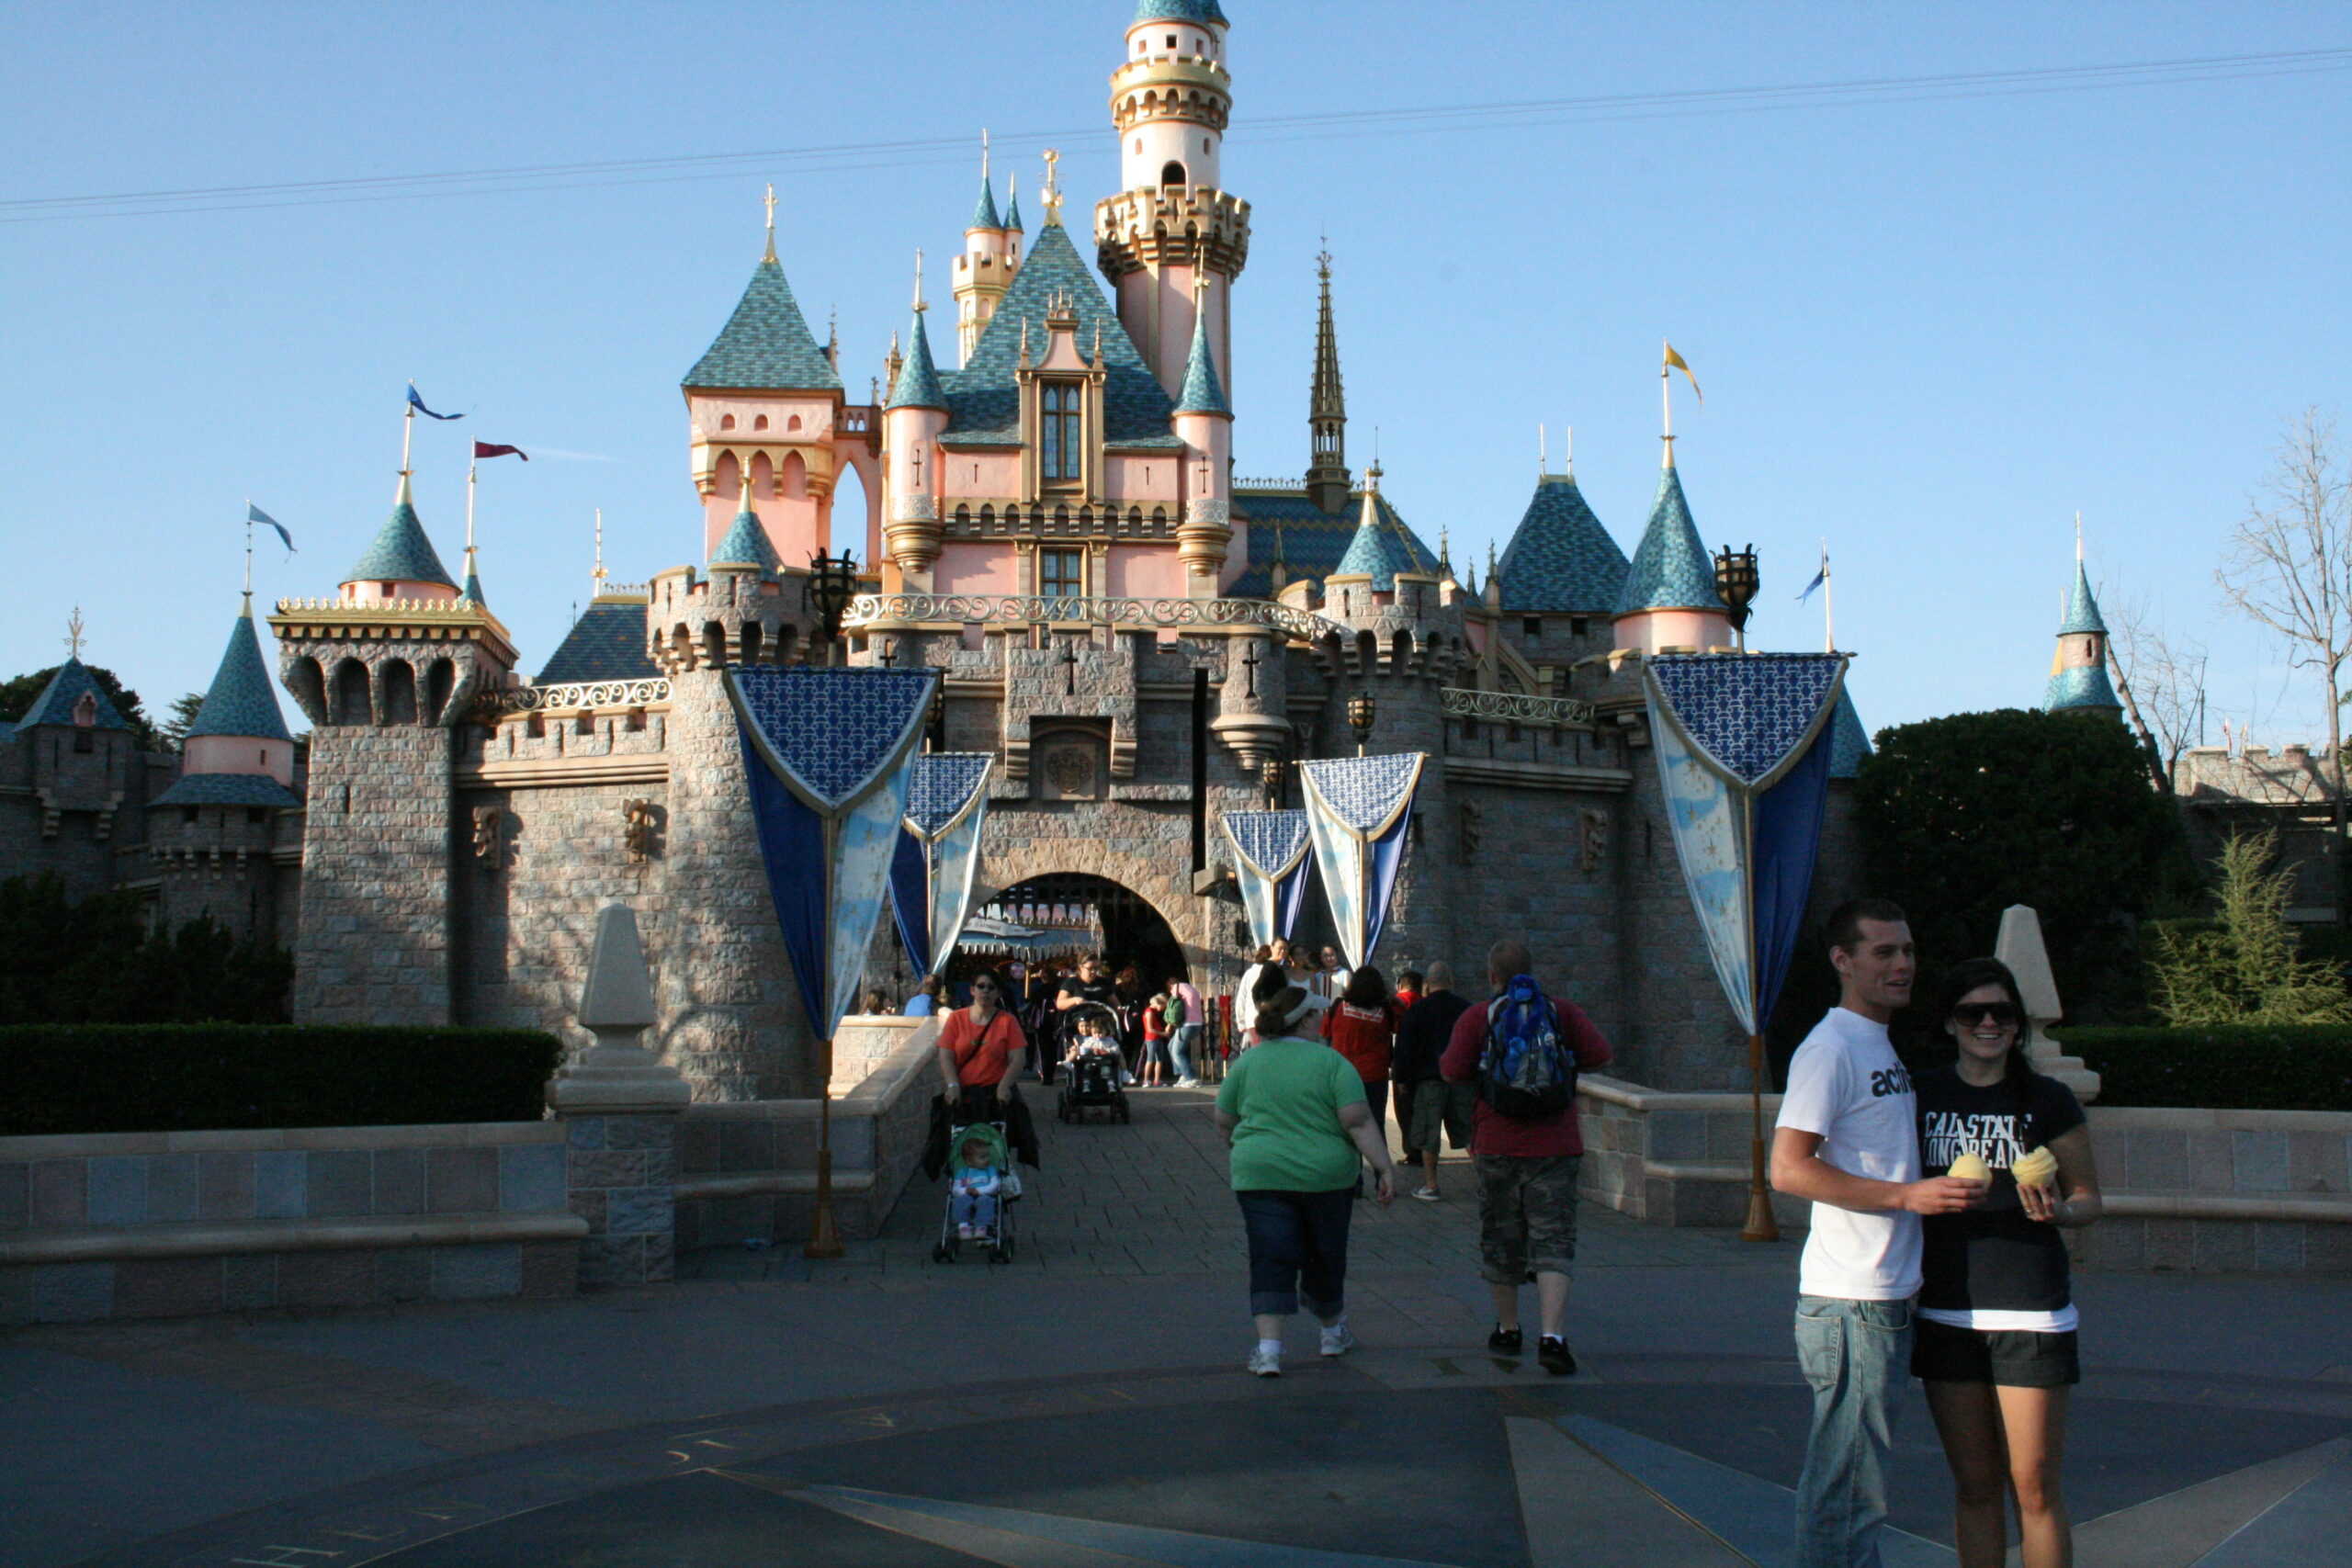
1294 1110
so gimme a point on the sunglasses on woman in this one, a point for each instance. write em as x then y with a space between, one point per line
1970 1015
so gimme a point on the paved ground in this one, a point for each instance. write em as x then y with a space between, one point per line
1084 1407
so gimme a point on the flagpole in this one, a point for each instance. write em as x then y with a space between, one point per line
471 465
249 549
407 428
1829 603
1665 402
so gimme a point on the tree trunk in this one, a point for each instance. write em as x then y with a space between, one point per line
2334 775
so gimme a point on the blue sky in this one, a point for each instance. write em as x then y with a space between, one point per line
1929 327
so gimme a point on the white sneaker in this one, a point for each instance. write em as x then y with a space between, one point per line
1338 1341
1266 1363
1427 1194
1188 1083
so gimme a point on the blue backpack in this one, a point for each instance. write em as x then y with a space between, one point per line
1525 1070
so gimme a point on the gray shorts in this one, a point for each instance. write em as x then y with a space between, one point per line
1439 1106
1527 1215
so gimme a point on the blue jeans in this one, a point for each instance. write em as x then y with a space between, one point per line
976 1209
1298 1250
1853 1353
1180 1048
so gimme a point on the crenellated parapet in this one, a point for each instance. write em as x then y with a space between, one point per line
358 662
1143 229
732 616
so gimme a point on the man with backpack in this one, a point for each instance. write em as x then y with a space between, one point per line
1522 1050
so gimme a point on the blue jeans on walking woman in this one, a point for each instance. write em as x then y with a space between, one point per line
1298 1250
1852 1352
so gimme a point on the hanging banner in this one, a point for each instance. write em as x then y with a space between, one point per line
826 753
939 853
1743 744
1270 865
1358 811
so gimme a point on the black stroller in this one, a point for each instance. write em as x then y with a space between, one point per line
995 1241
1091 1073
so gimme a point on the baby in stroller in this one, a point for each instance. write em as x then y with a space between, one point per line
1094 1066
980 1194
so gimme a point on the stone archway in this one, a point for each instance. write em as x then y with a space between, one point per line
1134 930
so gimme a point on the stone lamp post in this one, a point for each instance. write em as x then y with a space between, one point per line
622 1105
2019 946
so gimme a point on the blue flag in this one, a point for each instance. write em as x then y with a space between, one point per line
255 514
1818 578
418 404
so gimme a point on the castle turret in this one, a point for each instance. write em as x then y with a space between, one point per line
1668 603
239 729
763 404
1327 408
401 562
1173 224
912 422
1560 563
1203 423
2078 680
83 752
992 255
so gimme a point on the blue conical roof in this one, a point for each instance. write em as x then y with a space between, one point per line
984 213
1012 209
1379 548
2084 686
471 591
56 702
1849 742
766 344
2081 609
917 386
1203 393
240 701
745 543
1560 558
401 552
1670 568
1205 12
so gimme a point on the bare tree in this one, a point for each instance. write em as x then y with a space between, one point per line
2289 569
2162 672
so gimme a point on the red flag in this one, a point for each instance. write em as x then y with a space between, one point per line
491 449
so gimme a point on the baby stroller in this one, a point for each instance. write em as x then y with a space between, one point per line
995 1241
1091 1073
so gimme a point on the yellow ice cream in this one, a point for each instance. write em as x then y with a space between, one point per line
2035 1169
1968 1167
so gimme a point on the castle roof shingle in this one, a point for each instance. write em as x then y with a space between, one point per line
745 543
1200 11
240 701
984 214
1203 393
56 702
401 552
984 398
1670 569
606 643
2082 686
766 344
1560 558
1849 742
2082 608
1311 541
917 385
226 789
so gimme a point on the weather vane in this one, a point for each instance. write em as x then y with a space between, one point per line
74 633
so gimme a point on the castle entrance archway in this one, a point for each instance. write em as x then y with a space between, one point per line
1132 931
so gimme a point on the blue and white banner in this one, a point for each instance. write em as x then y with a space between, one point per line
826 752
1270 865
939 853
1358 811
1743 744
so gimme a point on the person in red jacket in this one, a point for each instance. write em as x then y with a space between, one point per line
1527 1169
1362 1026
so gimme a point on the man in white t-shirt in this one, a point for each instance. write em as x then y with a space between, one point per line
1848 1139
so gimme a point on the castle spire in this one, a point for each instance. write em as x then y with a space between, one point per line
1327 412
984 214
1013 202
2078 680
769 254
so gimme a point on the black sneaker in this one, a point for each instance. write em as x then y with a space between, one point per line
1553 1357
1505 1339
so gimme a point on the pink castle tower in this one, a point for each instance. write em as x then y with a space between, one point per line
991 256
1173 226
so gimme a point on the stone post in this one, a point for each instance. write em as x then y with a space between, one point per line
2019 946
622 1104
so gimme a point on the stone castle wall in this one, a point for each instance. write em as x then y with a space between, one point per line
373 945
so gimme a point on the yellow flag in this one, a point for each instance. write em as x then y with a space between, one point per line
1678 363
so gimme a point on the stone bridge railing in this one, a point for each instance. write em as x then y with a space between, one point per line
573 694
1513 707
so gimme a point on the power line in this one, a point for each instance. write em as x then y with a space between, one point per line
1497 114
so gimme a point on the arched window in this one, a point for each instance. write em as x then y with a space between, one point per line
761 422
1060 440
1172 174
794 481
399 692
988 516
792 424
726 422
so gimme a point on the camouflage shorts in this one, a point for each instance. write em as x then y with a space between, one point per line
1527 1215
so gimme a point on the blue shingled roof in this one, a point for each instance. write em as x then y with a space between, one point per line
2084 686
1377 550
1012 209
1312 540
1670 569
766 342
1560 558
1203 11
917 386
606 643
1202 392
226 789
240 701
55 704
401 553
745 543
984 213
7 730
1849 742
2082 610
984 398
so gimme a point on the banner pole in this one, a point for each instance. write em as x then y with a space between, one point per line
824 1235
1760 1226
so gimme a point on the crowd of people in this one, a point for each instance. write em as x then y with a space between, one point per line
1937 1198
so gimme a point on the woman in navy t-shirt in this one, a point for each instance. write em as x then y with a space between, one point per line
1995 1338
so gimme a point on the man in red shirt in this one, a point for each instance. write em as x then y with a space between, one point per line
1526 1169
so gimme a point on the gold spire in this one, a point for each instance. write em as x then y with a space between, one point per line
1052 194
919 304
597 578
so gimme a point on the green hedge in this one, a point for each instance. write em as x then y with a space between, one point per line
182 1078
2240 1067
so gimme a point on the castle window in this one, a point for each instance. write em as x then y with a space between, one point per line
85 740
256 815
1059 435
1172 174
793 423
265 756
188 815
760 422
726 422
1061 574
1531 627
388 588
1171 41
1577 625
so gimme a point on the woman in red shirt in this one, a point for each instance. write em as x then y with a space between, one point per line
1362 1026
982 1047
